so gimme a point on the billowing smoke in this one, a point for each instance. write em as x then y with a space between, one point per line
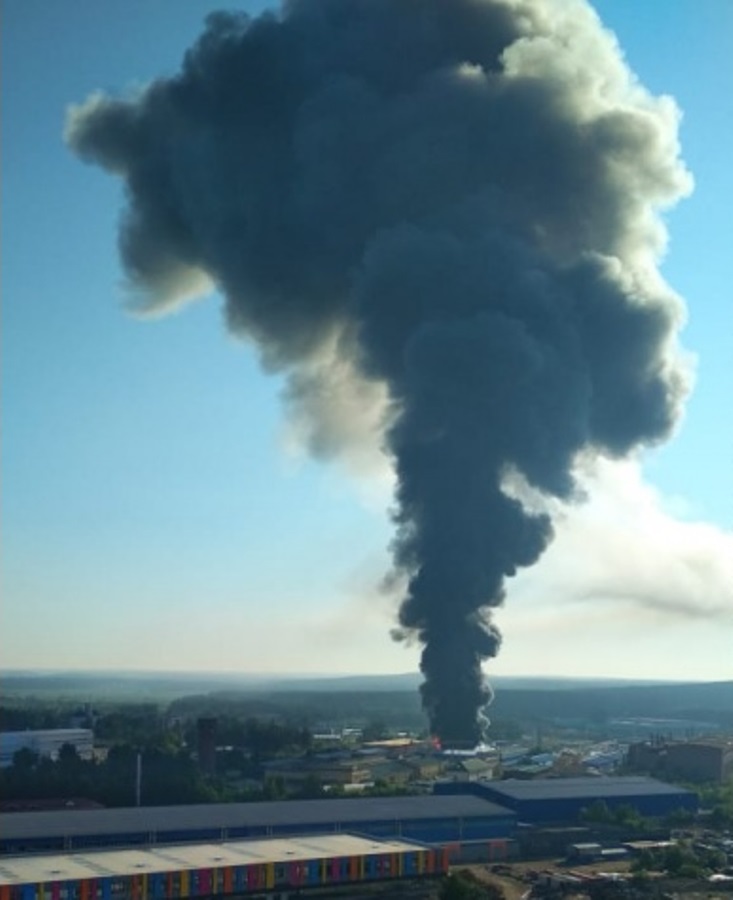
441 215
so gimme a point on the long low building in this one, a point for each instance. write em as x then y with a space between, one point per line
274 866
47 742
562 800
436 820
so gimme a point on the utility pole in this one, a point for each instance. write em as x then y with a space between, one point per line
138 778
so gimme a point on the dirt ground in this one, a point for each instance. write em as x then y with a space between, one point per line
513 887
514 880
516 883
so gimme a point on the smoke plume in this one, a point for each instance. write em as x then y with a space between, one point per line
445 215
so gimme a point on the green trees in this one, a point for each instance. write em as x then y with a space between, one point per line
464 886
259 738
643 862
718 798
375 730
167 746
134 723
679 818
169 777
32 777
623 816
25 760
679 860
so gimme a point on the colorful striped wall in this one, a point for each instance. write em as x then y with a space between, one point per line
228 880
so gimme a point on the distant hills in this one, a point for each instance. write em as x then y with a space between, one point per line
700 702
412 680
181 683
532 698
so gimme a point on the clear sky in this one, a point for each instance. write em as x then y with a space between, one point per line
156 511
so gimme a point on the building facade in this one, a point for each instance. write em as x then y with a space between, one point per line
698 761
563 800
46 742
429 819
258 868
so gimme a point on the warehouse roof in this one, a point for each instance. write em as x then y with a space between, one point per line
131 820
582 788
105 863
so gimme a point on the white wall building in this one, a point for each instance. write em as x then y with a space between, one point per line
45 743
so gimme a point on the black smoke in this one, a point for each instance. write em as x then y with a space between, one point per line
445 211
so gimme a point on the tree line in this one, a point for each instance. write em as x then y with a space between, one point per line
167 750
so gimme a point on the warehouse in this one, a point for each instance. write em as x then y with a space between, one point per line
47 743
433 819
271 866
562 800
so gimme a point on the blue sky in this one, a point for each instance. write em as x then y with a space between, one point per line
154 513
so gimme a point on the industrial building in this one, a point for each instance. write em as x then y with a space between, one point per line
269 867
562 800
435 820
47 742
699 760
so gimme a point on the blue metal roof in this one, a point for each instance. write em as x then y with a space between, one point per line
581 788
280 813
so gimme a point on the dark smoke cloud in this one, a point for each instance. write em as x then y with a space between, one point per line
446 210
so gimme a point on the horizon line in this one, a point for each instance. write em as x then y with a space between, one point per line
39 671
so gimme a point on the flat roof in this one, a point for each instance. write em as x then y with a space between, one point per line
45 732
133 820
160 860
582 788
